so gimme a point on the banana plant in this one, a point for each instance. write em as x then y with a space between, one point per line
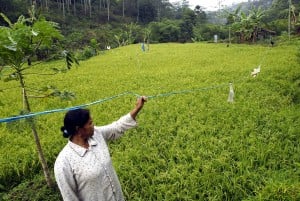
246 26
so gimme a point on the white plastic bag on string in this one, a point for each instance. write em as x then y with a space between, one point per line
231 93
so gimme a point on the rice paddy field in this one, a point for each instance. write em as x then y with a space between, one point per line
191 143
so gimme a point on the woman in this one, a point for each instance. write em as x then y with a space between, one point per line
83 169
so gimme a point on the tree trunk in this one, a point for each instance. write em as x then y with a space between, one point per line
74 7
289 20
85 7
123 8
108 5
68 5
46 4
138 10
63 8
158 10
90 8
36 137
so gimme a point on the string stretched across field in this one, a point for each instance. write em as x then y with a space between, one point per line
15 118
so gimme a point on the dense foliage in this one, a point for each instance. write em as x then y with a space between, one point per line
120 22
191 144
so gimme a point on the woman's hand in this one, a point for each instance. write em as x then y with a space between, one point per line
140 102
138 106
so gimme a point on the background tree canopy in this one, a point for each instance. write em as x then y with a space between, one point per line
92 25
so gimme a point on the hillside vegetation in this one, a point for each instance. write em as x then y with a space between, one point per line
191 144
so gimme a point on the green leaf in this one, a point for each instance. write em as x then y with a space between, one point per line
70 59
11 47
45 31
6 19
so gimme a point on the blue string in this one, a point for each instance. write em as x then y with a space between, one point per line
15 118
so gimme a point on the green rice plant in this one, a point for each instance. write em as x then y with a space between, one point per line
191 144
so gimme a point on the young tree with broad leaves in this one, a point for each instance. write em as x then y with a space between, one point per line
19 43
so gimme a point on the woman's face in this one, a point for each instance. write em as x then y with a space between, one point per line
88 129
